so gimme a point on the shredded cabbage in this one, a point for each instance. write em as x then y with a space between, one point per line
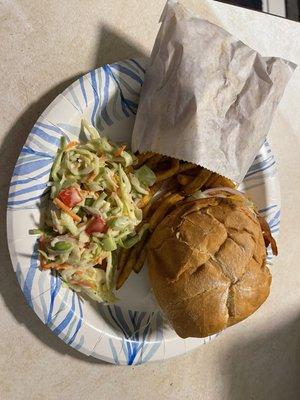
145 176
94 214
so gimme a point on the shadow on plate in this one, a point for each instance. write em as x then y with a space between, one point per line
111 48
267 367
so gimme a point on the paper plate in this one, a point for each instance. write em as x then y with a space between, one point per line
133 331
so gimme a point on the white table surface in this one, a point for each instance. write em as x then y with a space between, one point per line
45 45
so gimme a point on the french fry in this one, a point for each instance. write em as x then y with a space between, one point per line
147 200
198 182
184 166
133 255
147 208
154 160
140 260
163 175
139 247
211 181
193 171
217 180
128 267
163 209
124 254
152 206
155 188
142 158
144 200
184 179
169 186
222 181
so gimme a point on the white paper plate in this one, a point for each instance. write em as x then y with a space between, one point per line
133 331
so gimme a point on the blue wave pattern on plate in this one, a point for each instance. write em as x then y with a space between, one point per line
264 165
59 308
123 80
31 173
142 333
104 96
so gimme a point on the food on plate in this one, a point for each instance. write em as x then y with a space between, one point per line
207 262
93 212
168 191
104 204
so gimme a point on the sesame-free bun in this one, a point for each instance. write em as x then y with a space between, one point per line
207 265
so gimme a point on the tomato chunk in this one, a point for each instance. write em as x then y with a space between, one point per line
96 224
70 196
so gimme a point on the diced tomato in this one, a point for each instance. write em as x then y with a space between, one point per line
70 196
96 224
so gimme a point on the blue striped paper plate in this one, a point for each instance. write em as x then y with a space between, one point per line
133 331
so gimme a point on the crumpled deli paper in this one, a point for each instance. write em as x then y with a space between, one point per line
207 97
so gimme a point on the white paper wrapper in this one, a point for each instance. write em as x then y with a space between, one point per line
207 97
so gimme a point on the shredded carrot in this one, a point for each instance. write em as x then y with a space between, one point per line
120 150
99 260
72 144
65 208
54 265
91 177
83 283
79 273
101 156
49 265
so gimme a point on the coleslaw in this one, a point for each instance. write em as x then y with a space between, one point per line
93 211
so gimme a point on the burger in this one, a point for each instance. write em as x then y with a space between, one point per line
207 264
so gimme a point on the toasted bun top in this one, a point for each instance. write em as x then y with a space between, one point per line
207 265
